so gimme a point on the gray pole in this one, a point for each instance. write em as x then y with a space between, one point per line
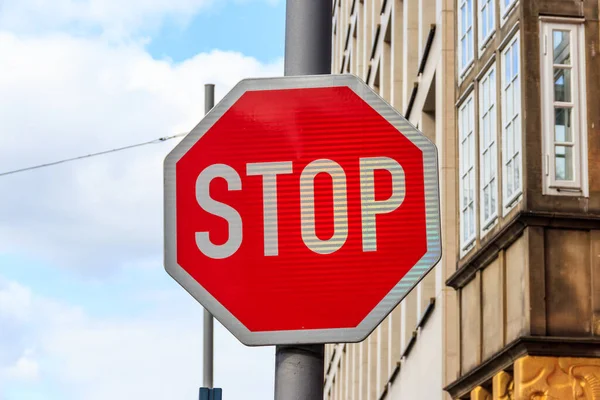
207 370
300 369
308 37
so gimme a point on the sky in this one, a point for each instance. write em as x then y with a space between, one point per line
86 309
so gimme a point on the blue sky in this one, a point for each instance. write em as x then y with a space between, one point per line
250 29
86 308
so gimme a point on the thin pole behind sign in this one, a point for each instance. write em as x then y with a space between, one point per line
299 369
208 360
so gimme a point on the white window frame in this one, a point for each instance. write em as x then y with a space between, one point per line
510 200
468 170
488 116
506 9
578 186
483 40
469 43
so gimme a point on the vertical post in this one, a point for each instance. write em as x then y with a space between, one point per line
207 370
307 37
299 369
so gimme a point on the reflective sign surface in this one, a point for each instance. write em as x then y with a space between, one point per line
301 210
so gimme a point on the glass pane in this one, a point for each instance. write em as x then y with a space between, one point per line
471 186
505 65
486 204
470 13
561 45
488 167
492 130
484 21
517 170
485 134
509 179
471 220
490 15
465 155
471 150
509 102
509 141
486 95
517 96
562 84
563 128
515 60
563 157
493 196
463 20
470 44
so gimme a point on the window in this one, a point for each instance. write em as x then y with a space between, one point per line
466 154
488 186
506 6
465 29
563 114
487 20
511 123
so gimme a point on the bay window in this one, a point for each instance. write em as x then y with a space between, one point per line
563 112
511 124
465 31
488 182
467 172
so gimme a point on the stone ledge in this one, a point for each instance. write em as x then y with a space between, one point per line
526 345
468 267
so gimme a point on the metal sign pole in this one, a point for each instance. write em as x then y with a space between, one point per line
299 369
208 360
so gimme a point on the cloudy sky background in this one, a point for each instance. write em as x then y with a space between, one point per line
86 309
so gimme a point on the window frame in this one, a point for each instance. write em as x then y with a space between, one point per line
462 69
509 201
466 243
579 186
505 10
484 40
492 110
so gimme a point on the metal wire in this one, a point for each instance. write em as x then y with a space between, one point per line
66 160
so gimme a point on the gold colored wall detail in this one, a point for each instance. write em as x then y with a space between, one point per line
548 378
480 393
503 385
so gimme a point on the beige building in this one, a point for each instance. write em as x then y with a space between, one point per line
508 90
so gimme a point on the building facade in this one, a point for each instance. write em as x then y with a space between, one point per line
509 92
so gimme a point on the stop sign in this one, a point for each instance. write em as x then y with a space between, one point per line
301 210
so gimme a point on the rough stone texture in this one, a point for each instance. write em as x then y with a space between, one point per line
516 312
471 325
492 298
568 288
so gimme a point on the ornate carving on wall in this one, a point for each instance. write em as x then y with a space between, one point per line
480 393
503 386
548 378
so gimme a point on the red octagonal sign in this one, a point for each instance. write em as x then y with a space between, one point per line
301 210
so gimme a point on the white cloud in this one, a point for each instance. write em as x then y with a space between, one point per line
62 96
115 19
154 356
25 369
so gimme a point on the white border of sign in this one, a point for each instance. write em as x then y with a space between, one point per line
391 300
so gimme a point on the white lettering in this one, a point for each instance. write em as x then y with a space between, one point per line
269 172
370 208
219 209
307 207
